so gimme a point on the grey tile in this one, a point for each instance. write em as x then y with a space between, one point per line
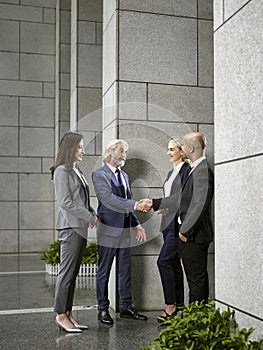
9 65
9 215
9 141
37 67
20 13
9 35
180 104
239 74
37 111
20 164
157 57
36 215
9 110
36 142
38 37
8 241
90 10
205 53
205 9
238 213
35 187
20 88
89 64
8 187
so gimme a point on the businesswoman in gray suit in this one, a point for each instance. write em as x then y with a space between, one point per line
74 217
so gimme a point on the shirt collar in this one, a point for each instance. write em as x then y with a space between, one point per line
179 166
197 161
112 168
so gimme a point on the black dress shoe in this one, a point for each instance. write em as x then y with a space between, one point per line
132 313
105 317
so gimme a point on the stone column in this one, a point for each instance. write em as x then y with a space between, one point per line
86 82
157 83
239 159
62 87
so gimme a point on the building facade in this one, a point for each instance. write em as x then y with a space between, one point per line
142 71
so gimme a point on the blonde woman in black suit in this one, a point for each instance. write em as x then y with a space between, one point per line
169 260
74 217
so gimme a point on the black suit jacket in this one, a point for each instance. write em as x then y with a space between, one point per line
195 205
170 221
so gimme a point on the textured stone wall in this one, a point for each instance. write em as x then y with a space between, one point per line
27 104
239 159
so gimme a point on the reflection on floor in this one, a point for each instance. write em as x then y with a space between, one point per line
27 318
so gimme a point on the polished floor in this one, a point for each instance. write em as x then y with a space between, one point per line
27 319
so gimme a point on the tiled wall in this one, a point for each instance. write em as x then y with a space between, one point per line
27 103
239 158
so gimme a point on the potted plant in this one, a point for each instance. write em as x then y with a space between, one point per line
199 326
88 265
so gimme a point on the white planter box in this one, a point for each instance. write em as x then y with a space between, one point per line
89 270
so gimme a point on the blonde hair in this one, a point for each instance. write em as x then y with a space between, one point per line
111 146
178 142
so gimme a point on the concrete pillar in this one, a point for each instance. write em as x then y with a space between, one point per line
239 160
157 83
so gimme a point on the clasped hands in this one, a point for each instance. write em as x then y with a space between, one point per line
144 205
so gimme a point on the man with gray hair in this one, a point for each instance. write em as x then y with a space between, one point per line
116 218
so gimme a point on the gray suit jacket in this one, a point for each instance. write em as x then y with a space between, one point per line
74 210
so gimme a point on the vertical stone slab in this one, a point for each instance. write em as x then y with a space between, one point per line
238 157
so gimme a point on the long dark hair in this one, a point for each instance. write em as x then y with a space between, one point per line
66 151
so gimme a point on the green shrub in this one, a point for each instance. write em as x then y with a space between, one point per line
53 255
203 327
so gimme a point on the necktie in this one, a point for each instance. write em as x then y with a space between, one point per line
120 183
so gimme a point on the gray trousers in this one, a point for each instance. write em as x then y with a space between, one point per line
72 248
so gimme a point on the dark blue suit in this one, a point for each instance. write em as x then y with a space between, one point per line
116 217
169 261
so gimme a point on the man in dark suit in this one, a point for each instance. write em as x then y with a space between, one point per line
195 225
116 218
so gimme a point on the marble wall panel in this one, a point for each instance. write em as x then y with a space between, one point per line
8 187
9 110
9 35
238 241
35 187
180 104
154 48
36 111
36 215
238 77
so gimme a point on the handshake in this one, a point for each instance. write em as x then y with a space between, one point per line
144 205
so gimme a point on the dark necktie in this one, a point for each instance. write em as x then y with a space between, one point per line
120 183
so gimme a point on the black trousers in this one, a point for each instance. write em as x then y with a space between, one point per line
194 257
170 268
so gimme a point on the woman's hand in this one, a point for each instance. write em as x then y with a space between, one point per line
93 221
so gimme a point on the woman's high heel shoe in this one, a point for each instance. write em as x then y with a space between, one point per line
68 330
162 318
81 326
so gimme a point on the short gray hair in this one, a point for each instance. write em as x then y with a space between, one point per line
111 147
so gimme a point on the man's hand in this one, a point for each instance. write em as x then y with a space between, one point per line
182 237
140 234
144 205
93 221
